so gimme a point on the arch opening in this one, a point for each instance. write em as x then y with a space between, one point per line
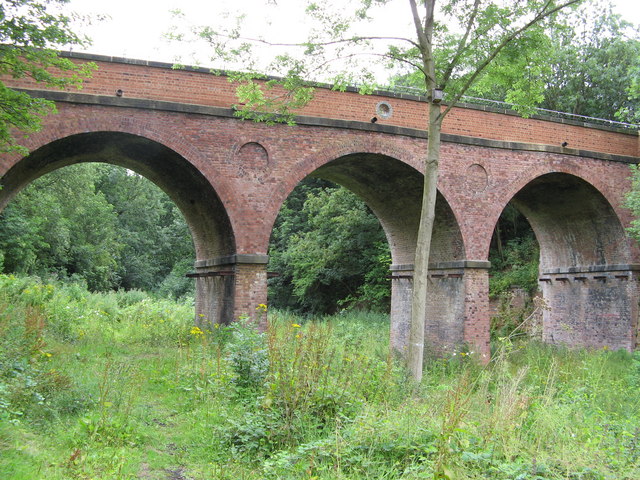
513 277
585 275
188 188
330 253
574 223
102 224
392 190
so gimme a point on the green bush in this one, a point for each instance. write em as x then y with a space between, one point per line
248 356
517 268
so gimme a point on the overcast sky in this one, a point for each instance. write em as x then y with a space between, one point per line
135 27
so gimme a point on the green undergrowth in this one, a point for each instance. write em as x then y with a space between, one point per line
121 386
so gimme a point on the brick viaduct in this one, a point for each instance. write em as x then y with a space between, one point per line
230 177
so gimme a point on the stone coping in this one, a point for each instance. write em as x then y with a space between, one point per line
455 265
623 267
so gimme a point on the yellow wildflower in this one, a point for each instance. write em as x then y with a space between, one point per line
196 331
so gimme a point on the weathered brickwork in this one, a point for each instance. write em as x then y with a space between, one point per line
230 178
476 315
158 81
591 308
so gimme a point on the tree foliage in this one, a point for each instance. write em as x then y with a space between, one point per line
102 224
331 252
594 62
61 225
113 229
588 65
30 30
155 239
632 202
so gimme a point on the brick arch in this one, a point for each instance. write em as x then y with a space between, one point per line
74 120
584 172
586 271
594 178
393 191
573 221
326 154
189 189
386 175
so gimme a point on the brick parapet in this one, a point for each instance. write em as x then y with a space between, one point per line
158 81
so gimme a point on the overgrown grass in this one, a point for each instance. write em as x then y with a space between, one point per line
120 386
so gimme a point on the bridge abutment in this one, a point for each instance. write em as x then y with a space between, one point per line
457 307
593 306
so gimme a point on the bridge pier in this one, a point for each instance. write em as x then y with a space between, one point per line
594 306
457 306
230 287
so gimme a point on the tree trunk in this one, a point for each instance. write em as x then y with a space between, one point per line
421 264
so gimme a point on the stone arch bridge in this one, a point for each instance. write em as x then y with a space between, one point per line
230 177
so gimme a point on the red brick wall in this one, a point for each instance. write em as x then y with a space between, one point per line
156 81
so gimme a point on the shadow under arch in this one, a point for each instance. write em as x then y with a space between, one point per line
203 210
585 276
393 191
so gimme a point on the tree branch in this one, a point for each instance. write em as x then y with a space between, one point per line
425 40
319 44
512 36
462 44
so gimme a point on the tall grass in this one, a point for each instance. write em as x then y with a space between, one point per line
123 386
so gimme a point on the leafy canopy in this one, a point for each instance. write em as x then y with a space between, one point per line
30 31
100 223
330 251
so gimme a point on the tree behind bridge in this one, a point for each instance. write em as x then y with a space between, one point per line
590 67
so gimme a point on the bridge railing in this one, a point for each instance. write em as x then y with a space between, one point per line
512 106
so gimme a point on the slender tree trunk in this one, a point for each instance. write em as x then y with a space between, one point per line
423 247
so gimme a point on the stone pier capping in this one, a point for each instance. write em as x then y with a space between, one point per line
177 127
455 265
623 267
233 260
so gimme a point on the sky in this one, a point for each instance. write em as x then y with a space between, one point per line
134 28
